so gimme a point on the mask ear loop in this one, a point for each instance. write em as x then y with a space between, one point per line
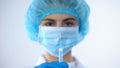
60 50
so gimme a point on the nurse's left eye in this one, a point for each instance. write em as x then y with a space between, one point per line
68 24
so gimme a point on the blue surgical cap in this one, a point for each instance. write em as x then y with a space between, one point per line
39 9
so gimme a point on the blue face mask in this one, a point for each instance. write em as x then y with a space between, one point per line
52 37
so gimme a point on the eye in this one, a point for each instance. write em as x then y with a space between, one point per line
49 24
68 24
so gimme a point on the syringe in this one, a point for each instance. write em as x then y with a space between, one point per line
60 54
60 50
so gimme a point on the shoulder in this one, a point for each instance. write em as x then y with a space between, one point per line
76 63
40 60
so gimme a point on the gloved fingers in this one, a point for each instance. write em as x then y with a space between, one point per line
64 64
54 64
58 64
43 65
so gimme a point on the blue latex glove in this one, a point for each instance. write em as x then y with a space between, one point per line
54 64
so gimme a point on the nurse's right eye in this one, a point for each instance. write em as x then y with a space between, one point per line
49 24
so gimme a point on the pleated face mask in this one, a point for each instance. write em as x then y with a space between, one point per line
52 37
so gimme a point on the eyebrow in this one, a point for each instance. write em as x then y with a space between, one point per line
48 19
69 19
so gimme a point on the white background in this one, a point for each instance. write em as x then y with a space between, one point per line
100 49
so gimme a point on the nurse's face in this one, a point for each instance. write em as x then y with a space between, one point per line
59 20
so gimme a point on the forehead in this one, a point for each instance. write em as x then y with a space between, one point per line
59 16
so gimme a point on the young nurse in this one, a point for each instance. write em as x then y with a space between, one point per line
58 25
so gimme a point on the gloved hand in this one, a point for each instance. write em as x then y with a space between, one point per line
54 64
